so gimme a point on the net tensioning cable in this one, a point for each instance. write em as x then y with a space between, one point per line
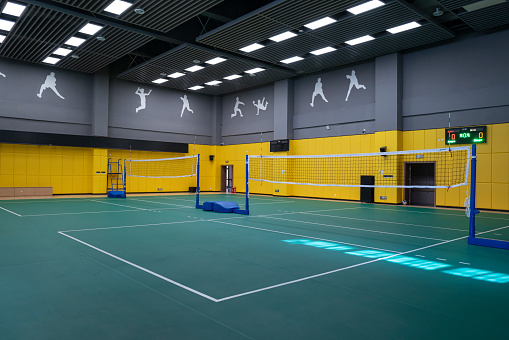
162 168
345 170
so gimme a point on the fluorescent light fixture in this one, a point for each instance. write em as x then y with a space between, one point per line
323 50
176 75
404 27
482 4
13 9
255 70
216 60
359 40
118 7
213 82
73 41
90 29
160 81
251 48
367 6
6 25
51 60
291 60
320 23
2 38
283 36
233 76
197 87
62 51
194 68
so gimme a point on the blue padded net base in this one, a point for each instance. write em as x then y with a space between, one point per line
220 206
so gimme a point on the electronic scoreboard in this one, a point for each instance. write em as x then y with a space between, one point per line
465 135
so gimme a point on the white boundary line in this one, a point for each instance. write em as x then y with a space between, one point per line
11 212
461 213
119 205
178 205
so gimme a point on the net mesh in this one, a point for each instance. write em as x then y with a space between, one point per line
162 168
390 169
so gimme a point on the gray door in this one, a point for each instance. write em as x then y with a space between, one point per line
420 174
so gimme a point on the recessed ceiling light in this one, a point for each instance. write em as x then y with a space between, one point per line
283 36
6 25
404 27
234 76
482 4
255 70
251 48
118 7
75 56
323 50
62 51
51 60
367 6
159 81
90 29
100 38
320 23
176 75
194 68
2 38
73 41
291 60
216 60
197 87
359 40
213 82
13 9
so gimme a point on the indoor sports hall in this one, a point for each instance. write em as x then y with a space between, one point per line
226 169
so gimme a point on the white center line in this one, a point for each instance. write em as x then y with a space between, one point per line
10 212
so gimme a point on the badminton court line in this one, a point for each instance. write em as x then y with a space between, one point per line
359 229
178 205
377 221
11 212
436 213
143 269
119 205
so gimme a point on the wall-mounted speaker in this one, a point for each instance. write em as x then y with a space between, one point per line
211 157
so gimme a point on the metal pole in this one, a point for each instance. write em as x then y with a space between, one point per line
247 184
198 182
471 230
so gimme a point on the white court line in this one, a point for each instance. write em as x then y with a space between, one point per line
436 213
10 212
120 205
178 205
367 230
144 269
363 219
99 212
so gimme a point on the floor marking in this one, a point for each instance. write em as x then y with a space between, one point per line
363 219
419 256
360 229
436 213
178 205
79 213
120 205
468 264
10 212
144 269
439 259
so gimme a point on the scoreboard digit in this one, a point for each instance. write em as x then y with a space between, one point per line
465 135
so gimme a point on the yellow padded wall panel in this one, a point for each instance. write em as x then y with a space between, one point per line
483 195
20 164
32 164
6 180
7 163
408 140
418 140
45 164
319 146
45 181
32 180
327 146
20 181
499 137
486 147
346 144
430 139
452 197
484 167
500 167
500 196
355 144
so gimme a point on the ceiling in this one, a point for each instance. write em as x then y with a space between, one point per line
171 36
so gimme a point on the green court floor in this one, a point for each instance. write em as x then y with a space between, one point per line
154 267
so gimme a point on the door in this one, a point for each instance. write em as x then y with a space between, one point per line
226 178
421 174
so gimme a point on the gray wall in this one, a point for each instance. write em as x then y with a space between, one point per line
22 110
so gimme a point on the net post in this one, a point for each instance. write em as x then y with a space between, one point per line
247 184
198 206
125 176
473 173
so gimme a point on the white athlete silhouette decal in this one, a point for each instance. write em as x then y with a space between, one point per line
260 105
353 82
141 92
49 83
318 91
1 74
185 105
237 109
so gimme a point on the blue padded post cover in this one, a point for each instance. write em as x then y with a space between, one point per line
220 206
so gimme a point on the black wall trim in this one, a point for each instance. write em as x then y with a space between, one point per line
38 138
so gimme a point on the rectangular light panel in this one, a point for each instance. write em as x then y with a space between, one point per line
403 28
176 75
291 60
51 60
160 81
2 38
194 68
6 25
323 50
214 82
13 9
251 48
197 87
118 7
234 76
368 6
62 51
320 23
73 41
216 60
90 29
283 36
255 70
359 40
